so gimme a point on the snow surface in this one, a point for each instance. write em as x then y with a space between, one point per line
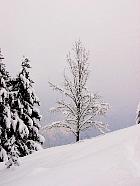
109 160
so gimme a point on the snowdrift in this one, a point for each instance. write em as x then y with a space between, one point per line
109 160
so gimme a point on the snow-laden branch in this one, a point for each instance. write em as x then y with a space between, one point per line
59 124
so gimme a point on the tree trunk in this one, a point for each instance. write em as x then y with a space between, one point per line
78 136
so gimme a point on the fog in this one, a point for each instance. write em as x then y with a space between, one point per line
45 30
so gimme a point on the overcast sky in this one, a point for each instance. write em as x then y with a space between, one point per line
45 30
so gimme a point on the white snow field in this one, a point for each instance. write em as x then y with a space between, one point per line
109 160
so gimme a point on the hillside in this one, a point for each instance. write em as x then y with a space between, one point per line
109 160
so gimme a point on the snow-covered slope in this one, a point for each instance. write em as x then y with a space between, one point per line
109 160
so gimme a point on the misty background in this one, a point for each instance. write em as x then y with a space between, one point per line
45 30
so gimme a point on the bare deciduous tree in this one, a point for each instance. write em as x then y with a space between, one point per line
79 106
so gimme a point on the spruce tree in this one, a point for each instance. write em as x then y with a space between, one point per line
4 112
25 113
8 148
18 115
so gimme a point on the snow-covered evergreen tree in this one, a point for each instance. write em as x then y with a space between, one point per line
80 107
26 115
138 114
5 115
18 115
8 152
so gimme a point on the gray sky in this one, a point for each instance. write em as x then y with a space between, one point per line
44 31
